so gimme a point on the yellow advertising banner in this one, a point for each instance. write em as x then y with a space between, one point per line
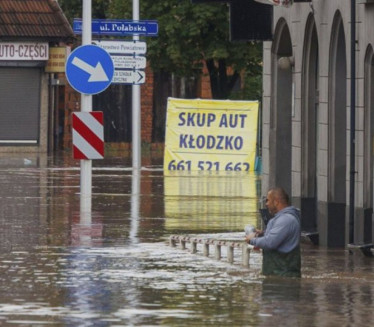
216 135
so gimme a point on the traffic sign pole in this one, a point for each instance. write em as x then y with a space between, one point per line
86 106
136 156
136 121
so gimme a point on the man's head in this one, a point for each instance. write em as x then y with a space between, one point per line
276 200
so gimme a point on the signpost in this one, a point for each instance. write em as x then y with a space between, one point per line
126 60
89 69
119 27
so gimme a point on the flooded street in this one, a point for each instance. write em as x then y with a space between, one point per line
115 267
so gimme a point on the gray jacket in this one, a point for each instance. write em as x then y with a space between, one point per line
282 232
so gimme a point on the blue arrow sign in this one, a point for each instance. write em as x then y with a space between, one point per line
119 27
89 69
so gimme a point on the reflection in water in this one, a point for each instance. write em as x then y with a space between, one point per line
114 268
210 201
280 293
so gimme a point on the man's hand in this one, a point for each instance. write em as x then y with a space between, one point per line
250 236
257 233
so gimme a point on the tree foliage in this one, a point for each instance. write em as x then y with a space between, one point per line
189 36
73 8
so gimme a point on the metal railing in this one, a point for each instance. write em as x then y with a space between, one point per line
217 244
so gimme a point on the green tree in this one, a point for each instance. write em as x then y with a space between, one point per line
189 36
73 8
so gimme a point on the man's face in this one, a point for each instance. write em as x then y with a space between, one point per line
271 203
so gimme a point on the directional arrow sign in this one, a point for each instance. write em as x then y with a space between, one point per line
89 69
97 74
129 77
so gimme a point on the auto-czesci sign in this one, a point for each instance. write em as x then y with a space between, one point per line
24 51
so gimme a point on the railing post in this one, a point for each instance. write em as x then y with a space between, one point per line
172 241
194 246
206 249
245 255
230 253
217 251
183 244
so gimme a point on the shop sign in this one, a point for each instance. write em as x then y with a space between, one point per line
24 51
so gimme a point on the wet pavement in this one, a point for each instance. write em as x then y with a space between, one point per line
114 267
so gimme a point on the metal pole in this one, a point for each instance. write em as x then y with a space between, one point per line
135 205
136 119
353 123
86 106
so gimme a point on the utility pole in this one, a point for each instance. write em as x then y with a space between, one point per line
136 107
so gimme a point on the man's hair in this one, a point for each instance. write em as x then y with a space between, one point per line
280 194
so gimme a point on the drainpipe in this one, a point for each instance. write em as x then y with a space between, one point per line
353 124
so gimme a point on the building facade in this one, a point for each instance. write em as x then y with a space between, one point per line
307 116
28 32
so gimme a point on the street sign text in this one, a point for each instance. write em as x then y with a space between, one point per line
119 27
129 77
121 47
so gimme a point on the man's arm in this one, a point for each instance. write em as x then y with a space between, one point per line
276 235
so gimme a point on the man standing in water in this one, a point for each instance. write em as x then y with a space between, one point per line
281 240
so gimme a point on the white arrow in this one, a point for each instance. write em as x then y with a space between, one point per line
97 74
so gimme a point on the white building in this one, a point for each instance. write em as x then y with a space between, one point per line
307 115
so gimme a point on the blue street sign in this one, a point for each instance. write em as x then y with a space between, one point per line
89 69
119 27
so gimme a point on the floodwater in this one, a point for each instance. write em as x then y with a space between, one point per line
113 266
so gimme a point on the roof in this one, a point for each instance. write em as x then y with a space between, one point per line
36 19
